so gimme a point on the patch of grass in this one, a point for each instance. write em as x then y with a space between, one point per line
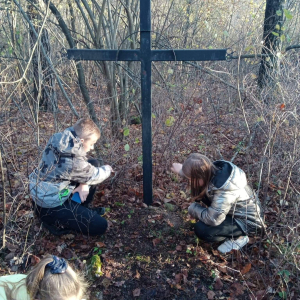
170 207
143 258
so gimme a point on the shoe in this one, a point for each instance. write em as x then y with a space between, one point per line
231 244
99 210
55 230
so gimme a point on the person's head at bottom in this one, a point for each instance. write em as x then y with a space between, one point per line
53 279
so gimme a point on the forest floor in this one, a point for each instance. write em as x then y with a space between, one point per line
147 252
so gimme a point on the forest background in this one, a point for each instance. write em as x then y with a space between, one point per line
244 110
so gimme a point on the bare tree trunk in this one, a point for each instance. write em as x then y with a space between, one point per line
44 79
272 28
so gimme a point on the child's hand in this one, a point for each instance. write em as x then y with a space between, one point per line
110 168
176 168
83 191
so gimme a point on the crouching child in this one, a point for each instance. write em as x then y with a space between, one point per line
233 210
63 171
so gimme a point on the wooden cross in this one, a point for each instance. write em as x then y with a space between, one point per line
145 55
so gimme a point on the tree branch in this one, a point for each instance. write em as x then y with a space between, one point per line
263 55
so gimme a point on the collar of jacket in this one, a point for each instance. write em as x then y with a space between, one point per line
222 174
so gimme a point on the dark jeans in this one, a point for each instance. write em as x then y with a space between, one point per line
75 216
227 229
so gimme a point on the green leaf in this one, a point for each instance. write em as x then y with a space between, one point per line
170 71
278 12
126 147
126 131
287 14
285 274
279 192
226 33
170 121
136 140
282 295
277 27
282 37
153 116
133 91
140 158
275 33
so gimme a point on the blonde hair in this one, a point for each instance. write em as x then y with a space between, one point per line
195 167
85 128
43 285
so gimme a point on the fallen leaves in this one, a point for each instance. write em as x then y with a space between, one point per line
246 269
156 241
100 245
67 253
237 289
106 282
137 275
210 295
218 284
119 283
178 248
136 292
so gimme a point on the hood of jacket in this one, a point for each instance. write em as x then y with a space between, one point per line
67 142
228 177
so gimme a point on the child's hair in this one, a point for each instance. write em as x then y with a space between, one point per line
85 128
53 279
195 167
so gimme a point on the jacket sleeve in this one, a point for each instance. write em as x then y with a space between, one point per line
84 172
215 214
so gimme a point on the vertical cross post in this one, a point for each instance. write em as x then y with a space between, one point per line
145 54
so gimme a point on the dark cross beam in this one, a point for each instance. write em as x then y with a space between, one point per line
145 55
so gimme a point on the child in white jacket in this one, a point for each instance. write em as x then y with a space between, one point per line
233 210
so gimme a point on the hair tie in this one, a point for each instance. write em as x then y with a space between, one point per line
58 265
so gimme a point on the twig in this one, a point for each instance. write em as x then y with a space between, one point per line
4 202
262 55
211 74
11 57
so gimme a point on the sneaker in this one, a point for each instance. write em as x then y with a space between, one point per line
231 244
99 210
